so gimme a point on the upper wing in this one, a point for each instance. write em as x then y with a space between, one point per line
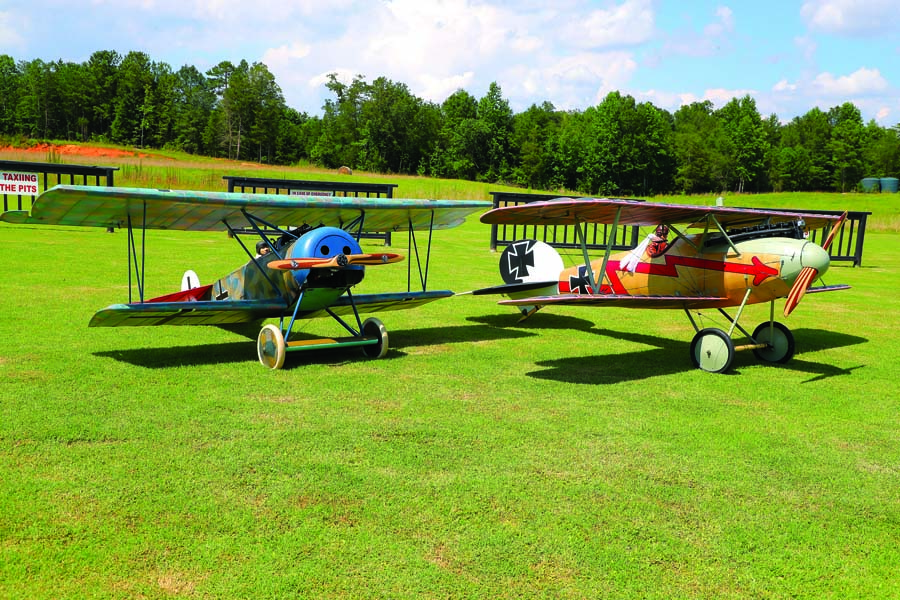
230 312
621 300
569 211
205 211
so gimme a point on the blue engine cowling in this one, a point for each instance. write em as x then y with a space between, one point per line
325 243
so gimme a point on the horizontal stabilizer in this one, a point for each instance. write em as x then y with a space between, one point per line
514 288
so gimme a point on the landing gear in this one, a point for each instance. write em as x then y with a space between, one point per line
373 328
270 347
712 350
778 340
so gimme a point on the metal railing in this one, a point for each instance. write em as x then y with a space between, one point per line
51 174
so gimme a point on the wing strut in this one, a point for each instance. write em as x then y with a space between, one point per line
597 285
139 272
413 244
253 259
358 223
253 223
723 232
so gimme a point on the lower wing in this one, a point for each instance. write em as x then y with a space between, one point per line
624 301
828 288
145 314
231 312
368 303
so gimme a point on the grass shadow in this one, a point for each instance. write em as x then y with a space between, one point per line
669 357
536 323
243 351
184 356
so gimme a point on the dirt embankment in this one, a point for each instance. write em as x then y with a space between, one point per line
78 150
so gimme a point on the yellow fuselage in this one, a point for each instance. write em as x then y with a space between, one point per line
767 267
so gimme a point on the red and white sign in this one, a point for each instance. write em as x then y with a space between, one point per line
25 184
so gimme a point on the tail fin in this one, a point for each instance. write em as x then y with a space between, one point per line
530 261
528 268
189 280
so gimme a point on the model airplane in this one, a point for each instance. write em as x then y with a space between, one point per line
741 257
303 271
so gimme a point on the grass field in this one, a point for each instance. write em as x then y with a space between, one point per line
577 455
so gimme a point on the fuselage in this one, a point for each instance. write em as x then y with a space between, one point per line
765 266
320 288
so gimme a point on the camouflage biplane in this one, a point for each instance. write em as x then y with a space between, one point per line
313 260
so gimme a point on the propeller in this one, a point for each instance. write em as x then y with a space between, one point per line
808 274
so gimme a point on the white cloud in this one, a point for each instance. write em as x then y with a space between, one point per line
720 96
627 24
851 17
10 36
807 47
861 82
437 89
670 101
714 38
283 55
784 86
344 76
570 82
723 26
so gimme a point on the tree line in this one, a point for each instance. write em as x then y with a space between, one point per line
618 147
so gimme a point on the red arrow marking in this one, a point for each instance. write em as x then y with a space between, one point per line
757 269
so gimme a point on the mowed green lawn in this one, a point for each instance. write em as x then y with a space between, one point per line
577 455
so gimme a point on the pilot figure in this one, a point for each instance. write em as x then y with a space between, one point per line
658 241
655 244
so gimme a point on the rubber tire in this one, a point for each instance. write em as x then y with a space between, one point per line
712 350
374 328
270 347
780 340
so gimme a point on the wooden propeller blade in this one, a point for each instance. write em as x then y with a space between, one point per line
374 259
834 230
335 262
801 284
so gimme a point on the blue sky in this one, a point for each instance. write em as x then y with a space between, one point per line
789 55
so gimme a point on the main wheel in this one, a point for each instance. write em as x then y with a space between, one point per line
270 347
712 350
779 342
375 329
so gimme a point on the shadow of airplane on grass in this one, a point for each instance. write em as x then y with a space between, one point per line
243 351
669 356
546 321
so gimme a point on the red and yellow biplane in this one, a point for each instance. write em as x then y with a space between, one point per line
310 258
740 257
